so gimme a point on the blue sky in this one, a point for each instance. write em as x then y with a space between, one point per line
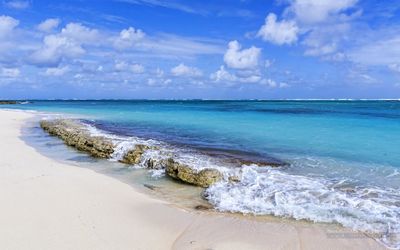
216 49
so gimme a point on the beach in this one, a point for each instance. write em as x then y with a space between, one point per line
46 204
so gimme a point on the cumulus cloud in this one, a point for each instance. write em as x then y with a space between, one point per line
59 71
128 38
10 72
48 25
17 4
183 70
223 75
80 33
317 11
283 32
134 68
7 25
66 44
54 49
241 59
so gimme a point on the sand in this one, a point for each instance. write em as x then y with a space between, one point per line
45 204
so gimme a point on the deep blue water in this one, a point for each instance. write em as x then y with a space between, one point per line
329 147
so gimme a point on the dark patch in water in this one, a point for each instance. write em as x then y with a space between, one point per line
242 157
234 156
151 187
52 144
82 158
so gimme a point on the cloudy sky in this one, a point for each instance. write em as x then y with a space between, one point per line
216 49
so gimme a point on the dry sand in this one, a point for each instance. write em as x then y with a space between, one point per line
45 204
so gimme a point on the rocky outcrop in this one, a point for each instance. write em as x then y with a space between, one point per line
7 102
134 156
202 178
76 135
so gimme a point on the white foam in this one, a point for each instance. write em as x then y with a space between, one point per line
157 173
274 192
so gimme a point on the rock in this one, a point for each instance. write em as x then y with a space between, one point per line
8 102
133 156
155 163
233 179
76 135
202 178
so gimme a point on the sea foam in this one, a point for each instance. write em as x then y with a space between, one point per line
267 191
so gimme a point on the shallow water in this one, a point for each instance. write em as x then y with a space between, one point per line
342 157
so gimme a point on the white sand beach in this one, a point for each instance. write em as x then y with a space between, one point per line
45 204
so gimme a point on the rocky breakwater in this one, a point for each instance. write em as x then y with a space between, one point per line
5 102
76 134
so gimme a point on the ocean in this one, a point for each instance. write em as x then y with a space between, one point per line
339 161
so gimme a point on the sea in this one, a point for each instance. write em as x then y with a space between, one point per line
326 161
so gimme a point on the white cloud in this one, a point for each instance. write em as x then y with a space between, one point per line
56 47
10 72
268 63
120 66
159 72
269 82
394 67
56 71
134 68
317 11
66 44
137 68
7 24
321 41
48 25
377 52
80 33
183 70
283 32
17 4
241 59
273 84
223 75
151 82
128 38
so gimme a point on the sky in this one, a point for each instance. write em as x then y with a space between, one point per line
209 49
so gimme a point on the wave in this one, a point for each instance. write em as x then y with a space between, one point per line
274 192
262 190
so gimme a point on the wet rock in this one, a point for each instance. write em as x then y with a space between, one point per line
202 178
76 135
134 156
156 163
8 102
234 179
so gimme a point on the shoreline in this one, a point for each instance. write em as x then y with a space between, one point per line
48 204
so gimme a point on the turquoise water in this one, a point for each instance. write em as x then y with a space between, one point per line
342 158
